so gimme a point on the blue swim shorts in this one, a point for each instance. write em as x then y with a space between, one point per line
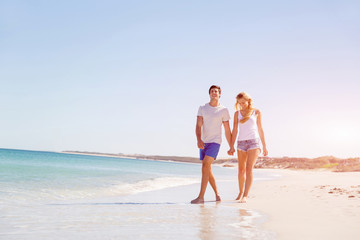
210 149
250 144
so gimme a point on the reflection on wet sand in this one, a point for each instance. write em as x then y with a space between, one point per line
208 222
223 221
244 218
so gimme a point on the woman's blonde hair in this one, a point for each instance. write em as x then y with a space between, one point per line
250 109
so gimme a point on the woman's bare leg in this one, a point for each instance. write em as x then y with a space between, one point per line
251 160
242 158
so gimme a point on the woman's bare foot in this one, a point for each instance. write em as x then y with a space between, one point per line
197 201
218 198
239 196
243 200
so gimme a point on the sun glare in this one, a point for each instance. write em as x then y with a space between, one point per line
337 138
344 134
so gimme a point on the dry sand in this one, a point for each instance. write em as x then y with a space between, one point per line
310 204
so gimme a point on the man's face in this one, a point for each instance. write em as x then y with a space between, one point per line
215 93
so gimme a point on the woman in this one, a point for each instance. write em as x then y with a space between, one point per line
247 121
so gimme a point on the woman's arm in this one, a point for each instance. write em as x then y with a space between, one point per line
261 132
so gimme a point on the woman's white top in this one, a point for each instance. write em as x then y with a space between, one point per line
248 130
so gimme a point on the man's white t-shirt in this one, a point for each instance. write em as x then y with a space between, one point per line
213 118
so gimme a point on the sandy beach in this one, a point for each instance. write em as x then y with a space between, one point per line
301 204
310 204
95 197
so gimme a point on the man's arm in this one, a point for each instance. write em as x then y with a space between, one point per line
227 132
234 134
199 123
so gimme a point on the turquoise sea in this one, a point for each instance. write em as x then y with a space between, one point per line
49 195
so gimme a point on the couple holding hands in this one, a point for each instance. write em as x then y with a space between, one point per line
248 130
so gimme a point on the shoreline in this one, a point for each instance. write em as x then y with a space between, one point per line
227 219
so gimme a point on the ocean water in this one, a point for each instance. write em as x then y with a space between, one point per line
48 195
48 176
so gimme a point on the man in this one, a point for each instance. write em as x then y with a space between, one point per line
210 118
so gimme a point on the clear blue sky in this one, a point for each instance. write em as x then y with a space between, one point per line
129 76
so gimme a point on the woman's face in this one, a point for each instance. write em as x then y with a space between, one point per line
243 103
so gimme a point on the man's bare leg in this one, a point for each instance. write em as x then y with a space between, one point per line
206 172
213 185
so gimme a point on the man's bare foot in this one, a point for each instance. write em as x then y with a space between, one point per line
243 200
197 201
218 198
239 196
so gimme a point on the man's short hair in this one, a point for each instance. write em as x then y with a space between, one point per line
215 86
